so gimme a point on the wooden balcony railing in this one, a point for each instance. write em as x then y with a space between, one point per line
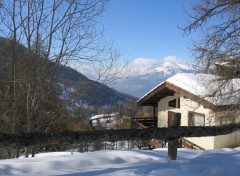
147 121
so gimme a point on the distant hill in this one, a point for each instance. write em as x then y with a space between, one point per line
75 86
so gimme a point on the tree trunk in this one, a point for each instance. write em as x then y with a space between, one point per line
33 151
27 151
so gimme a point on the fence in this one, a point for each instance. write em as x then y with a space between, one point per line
170 134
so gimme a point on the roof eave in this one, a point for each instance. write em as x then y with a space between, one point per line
144 101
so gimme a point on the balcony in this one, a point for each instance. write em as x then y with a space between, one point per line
145 122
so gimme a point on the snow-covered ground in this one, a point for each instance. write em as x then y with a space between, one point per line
127 162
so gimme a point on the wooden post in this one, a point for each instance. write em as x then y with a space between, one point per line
173 144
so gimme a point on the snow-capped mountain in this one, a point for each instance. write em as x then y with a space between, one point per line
142 79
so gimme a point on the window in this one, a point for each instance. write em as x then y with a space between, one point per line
196 119
172 103
175 103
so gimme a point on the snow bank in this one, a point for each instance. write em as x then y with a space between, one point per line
127 162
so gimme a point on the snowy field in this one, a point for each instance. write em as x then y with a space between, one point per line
222 162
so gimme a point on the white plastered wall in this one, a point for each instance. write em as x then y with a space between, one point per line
230 140
186 105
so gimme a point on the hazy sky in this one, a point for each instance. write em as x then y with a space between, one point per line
148 28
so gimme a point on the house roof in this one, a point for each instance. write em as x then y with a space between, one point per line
205 89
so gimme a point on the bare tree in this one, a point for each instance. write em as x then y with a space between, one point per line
111 67
219 21
219 46
47 34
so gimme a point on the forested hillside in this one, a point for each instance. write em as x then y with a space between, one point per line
56 93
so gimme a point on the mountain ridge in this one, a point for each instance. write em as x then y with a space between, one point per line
140 82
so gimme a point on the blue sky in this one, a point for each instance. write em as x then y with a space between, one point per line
148 28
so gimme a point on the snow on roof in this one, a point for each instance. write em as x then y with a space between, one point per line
206 86
194 83
102 116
